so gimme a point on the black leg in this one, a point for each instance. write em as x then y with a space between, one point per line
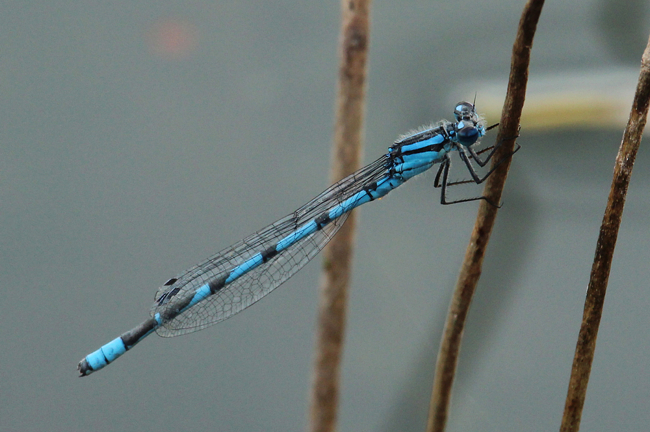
444 168
475 154
436 182
447 165
486 149
472 171
476 157
443 171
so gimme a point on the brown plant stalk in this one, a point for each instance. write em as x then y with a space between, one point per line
337 256
586 345
472 265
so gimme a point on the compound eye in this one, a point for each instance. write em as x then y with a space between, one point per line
463 111
468 135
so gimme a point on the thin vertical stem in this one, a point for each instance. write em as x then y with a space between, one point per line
337 259
586 345
472 264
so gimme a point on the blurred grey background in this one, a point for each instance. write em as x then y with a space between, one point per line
139 138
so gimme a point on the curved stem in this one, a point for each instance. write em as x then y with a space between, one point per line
586 345
472 264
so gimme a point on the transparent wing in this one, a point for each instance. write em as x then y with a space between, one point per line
257 283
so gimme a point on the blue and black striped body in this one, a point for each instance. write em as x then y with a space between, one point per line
240 275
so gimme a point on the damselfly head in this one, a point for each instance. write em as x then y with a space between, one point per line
469 127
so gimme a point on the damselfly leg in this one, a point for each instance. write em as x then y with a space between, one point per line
443 171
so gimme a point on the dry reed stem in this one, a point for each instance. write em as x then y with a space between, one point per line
472 264
337 259
586 345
